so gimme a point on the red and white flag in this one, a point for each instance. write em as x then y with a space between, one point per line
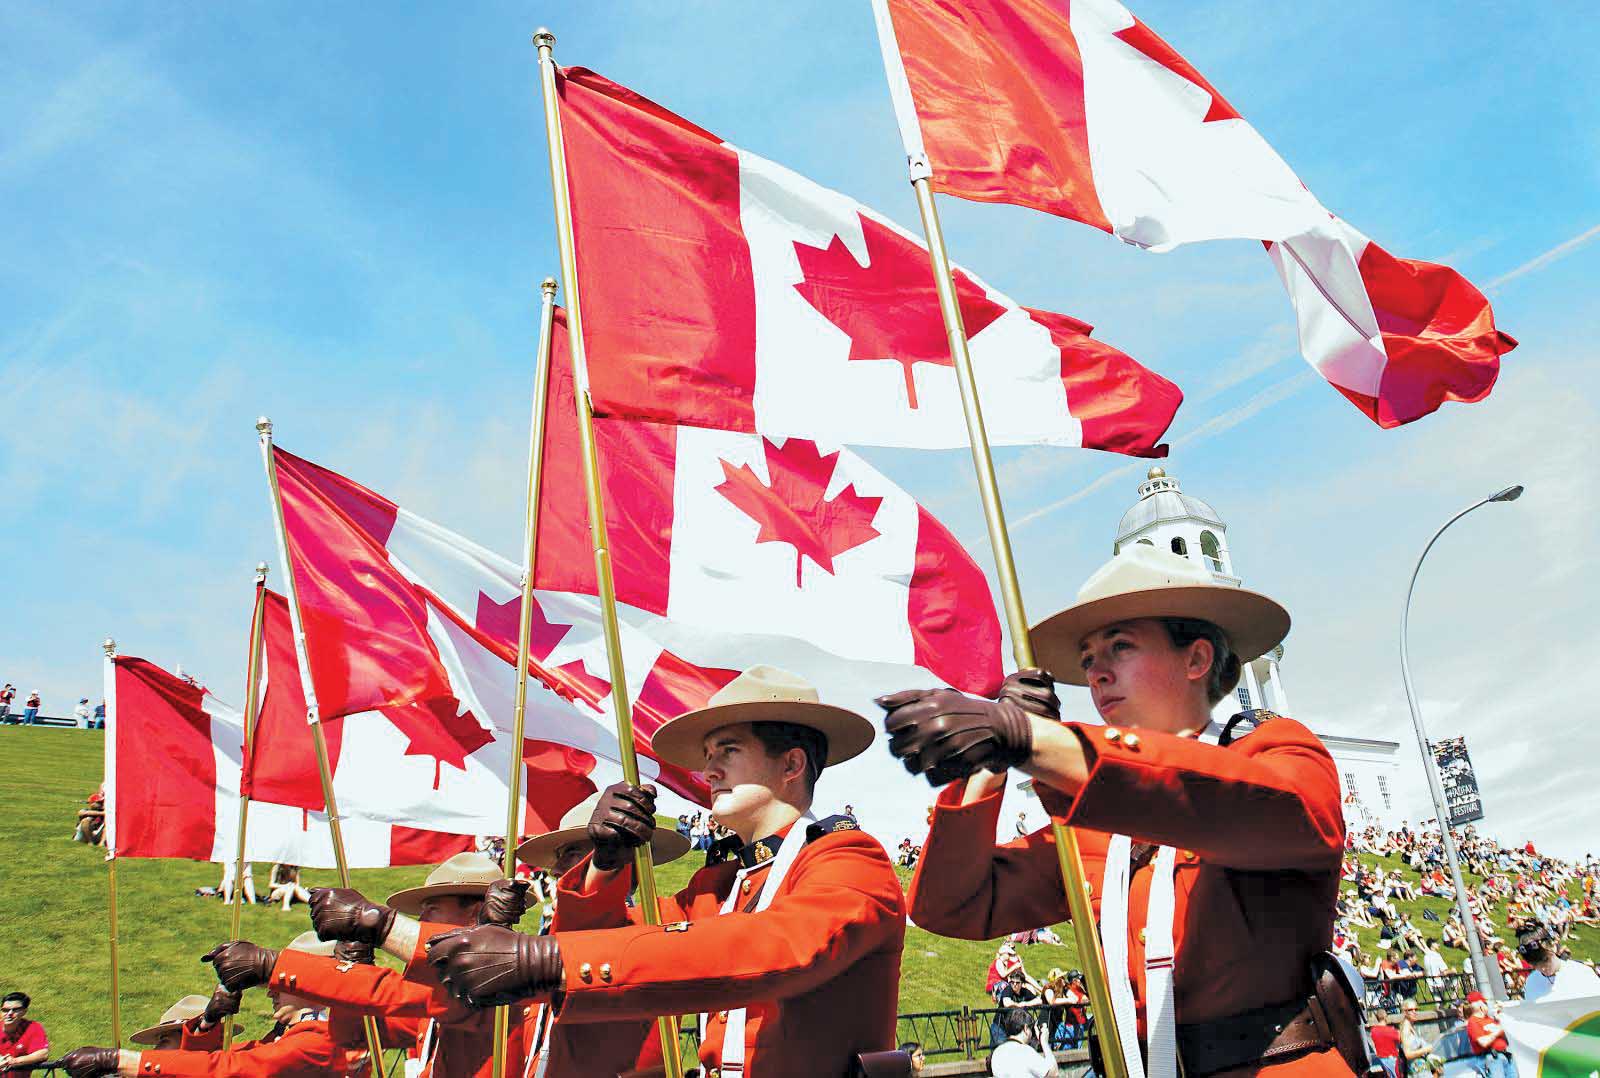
172 768
425 764
722 290
754 535
1077 108
404 612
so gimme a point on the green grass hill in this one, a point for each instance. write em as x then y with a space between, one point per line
53 929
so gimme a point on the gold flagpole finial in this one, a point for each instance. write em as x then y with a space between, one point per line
109 646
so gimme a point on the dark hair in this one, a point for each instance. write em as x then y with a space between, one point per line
1225 666
910 1047
1013 1020
21 997
779 737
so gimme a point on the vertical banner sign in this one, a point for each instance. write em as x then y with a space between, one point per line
1460 784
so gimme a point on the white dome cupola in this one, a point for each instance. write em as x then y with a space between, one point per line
1167 518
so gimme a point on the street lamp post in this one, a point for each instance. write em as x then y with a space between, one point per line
1494 987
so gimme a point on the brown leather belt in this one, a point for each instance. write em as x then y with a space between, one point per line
1265 1035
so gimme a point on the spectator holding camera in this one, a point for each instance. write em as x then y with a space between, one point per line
1018 1055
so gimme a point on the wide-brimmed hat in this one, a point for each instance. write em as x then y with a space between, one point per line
1144 582
173 1018
762 694
308 943
468 874
540 850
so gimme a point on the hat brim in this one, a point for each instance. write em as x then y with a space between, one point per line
1253 623
540 850
409 901
681 741
153 1034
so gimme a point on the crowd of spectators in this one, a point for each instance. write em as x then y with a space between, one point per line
1519 886
83 716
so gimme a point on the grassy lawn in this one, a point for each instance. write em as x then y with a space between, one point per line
53 929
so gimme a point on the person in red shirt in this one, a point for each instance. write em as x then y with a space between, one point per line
1386 1044
1488 1039
22 1040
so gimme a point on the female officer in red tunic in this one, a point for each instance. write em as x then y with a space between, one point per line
1224 860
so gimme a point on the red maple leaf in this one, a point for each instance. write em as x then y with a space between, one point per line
794 508
438 728
499 620
888 307
1141 37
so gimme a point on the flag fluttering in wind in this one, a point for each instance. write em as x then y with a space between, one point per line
745 534
722 290
1080 110
391 579
173 755
429 763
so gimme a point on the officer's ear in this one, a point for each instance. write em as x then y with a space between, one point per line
796 766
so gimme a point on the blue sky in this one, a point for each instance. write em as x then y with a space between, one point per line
339 219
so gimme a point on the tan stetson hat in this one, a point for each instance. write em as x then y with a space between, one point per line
468 874
1143 582
308 943
762 694
540 850
173 1019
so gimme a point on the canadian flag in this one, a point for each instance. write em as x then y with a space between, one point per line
172 766
399 611
752 534
1077 108
429 763
723 290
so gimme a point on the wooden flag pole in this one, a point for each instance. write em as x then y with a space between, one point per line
530 538
1067 853
109 830
313 716
252 705
644 869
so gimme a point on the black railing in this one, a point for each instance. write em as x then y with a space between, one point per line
968 1032
1437 992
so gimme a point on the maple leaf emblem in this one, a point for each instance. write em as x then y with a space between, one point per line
499 620
888 307
438 728
1141 37
795 509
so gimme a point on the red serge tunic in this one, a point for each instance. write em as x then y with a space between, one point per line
1259 831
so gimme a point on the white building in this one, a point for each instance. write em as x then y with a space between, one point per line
1167 518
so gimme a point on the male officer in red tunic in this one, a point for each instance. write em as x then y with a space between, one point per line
301 1045
791 949
1224 860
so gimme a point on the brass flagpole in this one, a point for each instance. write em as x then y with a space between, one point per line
1067 853
644 869
108 826
530 537
252 705
313 716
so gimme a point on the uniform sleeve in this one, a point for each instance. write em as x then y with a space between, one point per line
362 989
311 1054
349 1030
842 902
606 906
1270 802
966 887
195 1039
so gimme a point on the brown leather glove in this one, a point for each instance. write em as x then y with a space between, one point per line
91 1062
343 913
221 1004
1034 690
623 821
504 903
490 965
348 951
946 736
241 964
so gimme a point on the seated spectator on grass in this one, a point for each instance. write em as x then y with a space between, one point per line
285 886
1021 993
91 826
225 889
23 1042
1005 960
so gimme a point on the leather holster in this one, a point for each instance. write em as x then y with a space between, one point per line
895 1064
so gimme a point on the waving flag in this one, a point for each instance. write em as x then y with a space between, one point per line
173 754
1078 109
750 534
757 301
426 764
